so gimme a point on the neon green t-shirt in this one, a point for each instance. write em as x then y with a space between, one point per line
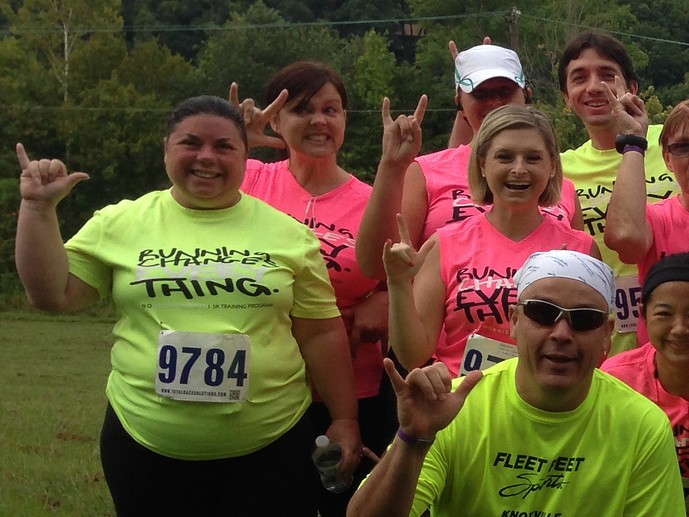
593 173
612 456
240 270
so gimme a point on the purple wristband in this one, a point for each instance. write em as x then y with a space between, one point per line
630 147
411 440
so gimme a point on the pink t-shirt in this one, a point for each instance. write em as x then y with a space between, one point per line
477 266
637 368
335 218
669 222
447 188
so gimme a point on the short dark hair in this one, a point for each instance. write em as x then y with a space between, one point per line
303 79
207 105
604 44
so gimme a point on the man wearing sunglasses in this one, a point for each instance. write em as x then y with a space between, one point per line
643 233
544 434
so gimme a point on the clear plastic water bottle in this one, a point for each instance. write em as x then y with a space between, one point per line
327 457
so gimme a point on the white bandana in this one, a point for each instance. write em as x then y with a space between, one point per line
568 264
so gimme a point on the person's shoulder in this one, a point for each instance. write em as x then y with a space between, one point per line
359 186
261 208
142 202
462 227
443 156
628 406
628 357
653 134
257 171
576 151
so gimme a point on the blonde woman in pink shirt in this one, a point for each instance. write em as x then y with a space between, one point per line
462 278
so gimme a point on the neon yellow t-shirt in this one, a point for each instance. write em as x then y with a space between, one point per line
612 456
245 269
594 172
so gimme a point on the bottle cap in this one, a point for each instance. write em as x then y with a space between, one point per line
322 441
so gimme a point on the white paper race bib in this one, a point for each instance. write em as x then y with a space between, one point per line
627 299
202 367
483 352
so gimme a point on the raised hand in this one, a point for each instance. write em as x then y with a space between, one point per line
425 402
628 110
45 181
402 136
401 260
256 119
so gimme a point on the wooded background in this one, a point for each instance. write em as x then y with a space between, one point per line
92 81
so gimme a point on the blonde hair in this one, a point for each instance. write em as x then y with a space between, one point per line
676 120
500 119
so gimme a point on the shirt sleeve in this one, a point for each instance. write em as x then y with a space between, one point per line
82 253
314 296
655 485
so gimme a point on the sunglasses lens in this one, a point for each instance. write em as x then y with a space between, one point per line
679 149
545 313
587 319
541 312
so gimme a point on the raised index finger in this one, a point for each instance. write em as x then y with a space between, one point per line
403 230
277 104
420 110
395 378
385 112
234 94
452 46
22 157
609 94
620 86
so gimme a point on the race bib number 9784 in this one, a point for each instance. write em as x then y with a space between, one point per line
203 367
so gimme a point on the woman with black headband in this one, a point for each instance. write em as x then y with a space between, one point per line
660 368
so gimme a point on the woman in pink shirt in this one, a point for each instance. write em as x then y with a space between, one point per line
306 107
463 276
432 191
660 368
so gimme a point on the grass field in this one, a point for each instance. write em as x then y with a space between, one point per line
52 379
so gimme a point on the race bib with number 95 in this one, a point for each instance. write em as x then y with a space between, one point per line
203 367
627 298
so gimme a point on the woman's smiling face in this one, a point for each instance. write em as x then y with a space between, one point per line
517 166
205 159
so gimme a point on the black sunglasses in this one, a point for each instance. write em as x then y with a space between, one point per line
679 149
548 314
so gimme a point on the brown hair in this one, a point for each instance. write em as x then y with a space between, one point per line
676 120
303 79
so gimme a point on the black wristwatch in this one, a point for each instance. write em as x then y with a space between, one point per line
622 141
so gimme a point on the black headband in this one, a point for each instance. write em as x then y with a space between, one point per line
662 273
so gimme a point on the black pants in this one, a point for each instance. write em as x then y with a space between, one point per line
378 424
279 479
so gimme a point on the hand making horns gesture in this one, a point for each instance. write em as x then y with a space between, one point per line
628 110
401 260
256 119
45 181
402 137
425 400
